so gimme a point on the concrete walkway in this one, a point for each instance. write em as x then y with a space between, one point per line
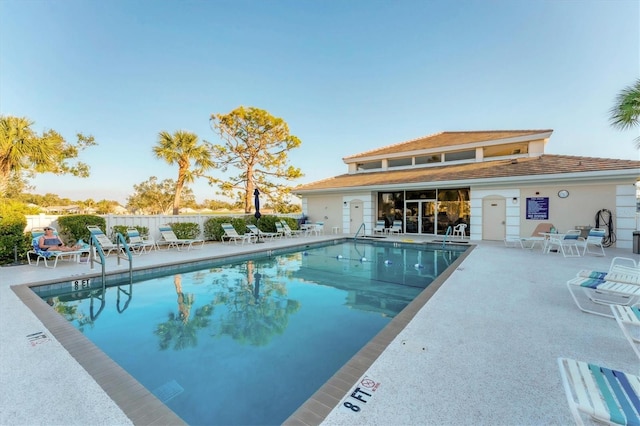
481 351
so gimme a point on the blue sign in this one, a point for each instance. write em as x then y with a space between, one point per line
538 208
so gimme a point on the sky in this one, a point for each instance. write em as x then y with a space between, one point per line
346 76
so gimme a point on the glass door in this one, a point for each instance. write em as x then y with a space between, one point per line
420 217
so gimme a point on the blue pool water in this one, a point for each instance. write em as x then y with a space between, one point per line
247 343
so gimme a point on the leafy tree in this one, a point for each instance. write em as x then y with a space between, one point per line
182 148
626 111
24 153
105 206
257 144
153 197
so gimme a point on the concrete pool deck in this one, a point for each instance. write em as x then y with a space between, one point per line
482 350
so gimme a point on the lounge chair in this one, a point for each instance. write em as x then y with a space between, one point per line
230 234
256 232
169 238
601 292
621 269
605 395
380 227
594 239
628 318
396 228
138 244
567 243
290 232
48 255
102 241
535 238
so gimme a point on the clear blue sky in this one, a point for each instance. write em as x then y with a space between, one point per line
347 76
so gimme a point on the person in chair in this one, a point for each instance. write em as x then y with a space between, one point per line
50 241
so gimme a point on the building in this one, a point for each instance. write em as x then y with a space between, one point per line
500 183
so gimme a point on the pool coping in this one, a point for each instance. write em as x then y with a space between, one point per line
143 408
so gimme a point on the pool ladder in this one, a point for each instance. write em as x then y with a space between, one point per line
364 230
96 248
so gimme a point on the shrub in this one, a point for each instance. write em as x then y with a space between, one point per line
74 227
142 230
14 243
185 230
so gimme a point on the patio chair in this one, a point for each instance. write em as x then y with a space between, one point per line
595 239
628 318
48 255
566 243
230 234
460 230
138 244
291 232
396 228
256 232
102 241
604 395
169 238
380 227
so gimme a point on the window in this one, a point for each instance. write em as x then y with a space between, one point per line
460 155
399 162
428 159
370 166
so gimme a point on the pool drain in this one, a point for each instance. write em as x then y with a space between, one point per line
168 391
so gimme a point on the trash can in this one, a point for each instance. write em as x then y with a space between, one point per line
636 242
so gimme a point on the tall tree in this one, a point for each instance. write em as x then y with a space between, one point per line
182 148
257 144
626 111
24 153
153 197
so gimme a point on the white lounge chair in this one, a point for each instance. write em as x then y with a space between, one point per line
290 232
380 227
628 318
621 269
103 242
138 244
48 255
396 228
230 234
256 232
604 395
535 238
169 238
601 292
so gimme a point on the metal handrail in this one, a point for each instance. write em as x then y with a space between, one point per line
364 230
448 232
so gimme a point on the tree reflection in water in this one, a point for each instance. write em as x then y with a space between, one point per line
180 330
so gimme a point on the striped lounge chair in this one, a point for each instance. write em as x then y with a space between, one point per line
605 395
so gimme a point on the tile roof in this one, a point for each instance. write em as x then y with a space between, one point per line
528 166
447 139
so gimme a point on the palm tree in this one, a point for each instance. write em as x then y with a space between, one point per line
626 111
182 148
21 150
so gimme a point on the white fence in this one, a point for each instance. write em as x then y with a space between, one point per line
153 223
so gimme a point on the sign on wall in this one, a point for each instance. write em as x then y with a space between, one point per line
538 208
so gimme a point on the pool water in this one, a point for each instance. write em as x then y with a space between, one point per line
248 343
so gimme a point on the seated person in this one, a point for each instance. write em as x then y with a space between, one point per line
50 241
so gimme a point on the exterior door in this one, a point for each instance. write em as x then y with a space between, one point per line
420 217
494 219
356 217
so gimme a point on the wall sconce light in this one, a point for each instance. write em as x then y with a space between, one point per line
345 203
537 193
514 200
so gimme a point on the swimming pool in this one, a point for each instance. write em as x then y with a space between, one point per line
249 342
